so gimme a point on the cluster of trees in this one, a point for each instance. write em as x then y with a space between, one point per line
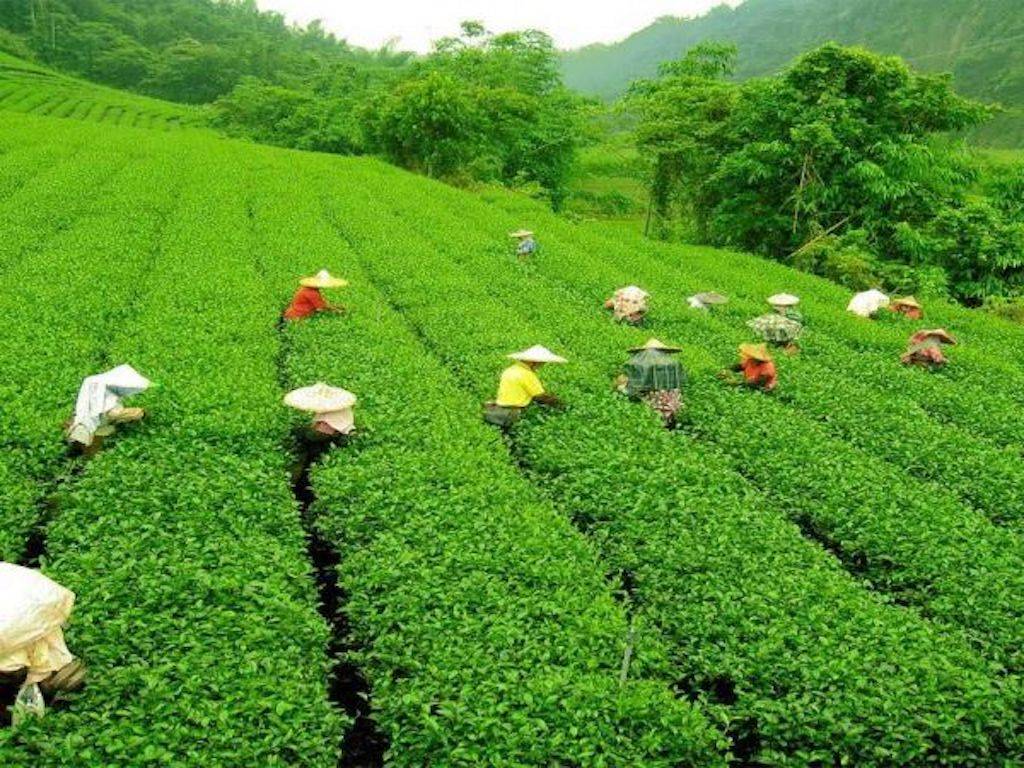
480 107
845 164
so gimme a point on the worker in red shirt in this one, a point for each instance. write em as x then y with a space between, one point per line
308 300
757 367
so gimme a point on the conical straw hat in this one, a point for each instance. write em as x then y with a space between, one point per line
783 300
633 291
521 233
757 352
323 279
940 334
710 297
537 354
906 301
653 343
320 398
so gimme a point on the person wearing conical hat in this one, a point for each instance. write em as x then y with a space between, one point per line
785 304
526 245
519 386
925 349
757 367
308 299
656 377
628 305
908 306
99 407
333 417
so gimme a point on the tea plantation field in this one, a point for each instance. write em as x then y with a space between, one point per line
830 575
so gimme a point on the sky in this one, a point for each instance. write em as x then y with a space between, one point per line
572 23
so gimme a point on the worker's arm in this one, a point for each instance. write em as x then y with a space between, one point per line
546 398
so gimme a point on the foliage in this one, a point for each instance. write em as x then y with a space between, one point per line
976 40
835 165
484 107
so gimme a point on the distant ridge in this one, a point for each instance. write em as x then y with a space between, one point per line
980 41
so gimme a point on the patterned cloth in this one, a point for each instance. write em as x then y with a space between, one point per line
927 354
776 328
526 247
629 305
666 402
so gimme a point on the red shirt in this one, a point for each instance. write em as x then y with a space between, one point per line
759 373
306 302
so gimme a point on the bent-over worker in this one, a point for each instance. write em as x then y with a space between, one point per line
757 367
308 299
333 418
520 386
909 307
654 376
99 409
628 305
925 348
526 246
33 612
867 303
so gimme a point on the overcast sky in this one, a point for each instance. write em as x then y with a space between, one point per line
572 23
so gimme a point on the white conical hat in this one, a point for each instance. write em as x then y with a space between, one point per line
320 398
323 279
124 381
633 292
710 297
783 300
521 233
537 354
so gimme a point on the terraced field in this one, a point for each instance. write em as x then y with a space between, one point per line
31 89
830 575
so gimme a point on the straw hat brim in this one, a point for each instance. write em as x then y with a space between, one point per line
521 233
755 352
783 300
537 355
710 298
655 344
320 398
323 282
908 301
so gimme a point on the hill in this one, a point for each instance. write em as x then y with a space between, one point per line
830 574
977 40
30 88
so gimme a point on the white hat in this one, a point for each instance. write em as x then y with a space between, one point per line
866 303
521 233
783 300
323 279
633 292
537 354
320 398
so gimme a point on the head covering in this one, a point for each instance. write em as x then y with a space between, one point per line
632 292
521 233
537 354
707 299
757 352
655 344
783 300
323 279
320 398
906 301
33 609
940 335
100 394
866 303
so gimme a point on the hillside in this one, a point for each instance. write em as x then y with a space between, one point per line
29 88
979 41
831 574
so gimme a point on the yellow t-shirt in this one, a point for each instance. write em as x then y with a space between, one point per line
518 386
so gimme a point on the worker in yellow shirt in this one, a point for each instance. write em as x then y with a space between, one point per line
520 385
